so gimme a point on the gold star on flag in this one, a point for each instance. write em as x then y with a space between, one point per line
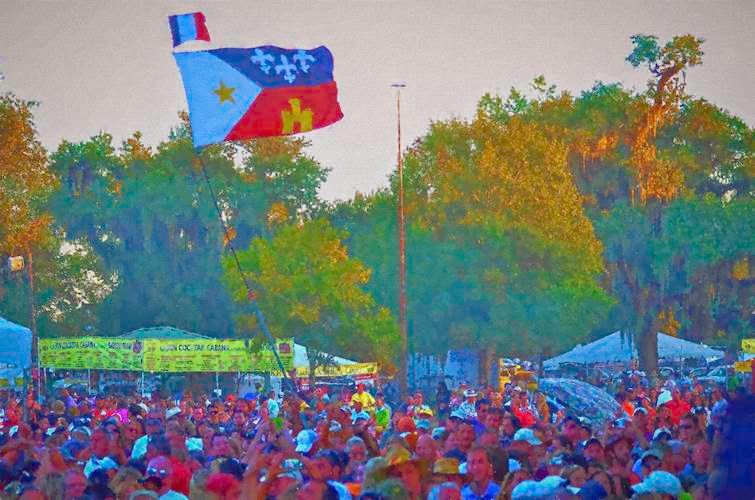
225 93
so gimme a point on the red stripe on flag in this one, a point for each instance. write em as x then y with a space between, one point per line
276 112
202 32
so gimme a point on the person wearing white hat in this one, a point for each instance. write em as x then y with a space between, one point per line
467 407
660 482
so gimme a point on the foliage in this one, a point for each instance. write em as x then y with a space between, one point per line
310 289
25 180
148 214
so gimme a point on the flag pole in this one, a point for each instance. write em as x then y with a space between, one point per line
249 290
404 361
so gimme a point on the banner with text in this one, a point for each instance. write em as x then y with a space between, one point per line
96 353
213 355
356 369
156 355
748 346
743 366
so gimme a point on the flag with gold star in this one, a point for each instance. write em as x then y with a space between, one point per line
236 94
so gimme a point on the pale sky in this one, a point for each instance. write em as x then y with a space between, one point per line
107 65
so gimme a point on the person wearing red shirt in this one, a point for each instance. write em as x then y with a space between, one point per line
677 406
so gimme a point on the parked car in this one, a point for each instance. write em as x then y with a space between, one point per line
716 375
699 372
666 372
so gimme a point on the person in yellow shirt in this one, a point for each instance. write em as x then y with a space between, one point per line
364 397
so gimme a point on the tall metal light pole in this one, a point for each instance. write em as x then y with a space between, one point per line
404 361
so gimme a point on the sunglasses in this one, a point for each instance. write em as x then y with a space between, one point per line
155 472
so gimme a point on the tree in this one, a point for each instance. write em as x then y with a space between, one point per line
148 215
310 289
500 254
25 184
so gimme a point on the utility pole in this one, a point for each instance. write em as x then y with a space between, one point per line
404 361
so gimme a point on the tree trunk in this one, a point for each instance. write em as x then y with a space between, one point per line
647 350
485 365
312 358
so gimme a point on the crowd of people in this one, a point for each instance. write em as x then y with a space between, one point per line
667 441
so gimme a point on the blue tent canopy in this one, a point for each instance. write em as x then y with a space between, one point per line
15 344
615 349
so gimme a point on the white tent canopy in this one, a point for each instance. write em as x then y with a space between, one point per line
302 360
613 348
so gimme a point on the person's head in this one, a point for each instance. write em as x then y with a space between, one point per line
401 466
575 475
360 388
619 449
509 425
125 482
453 442
689 431
426 447
316 489
326 465
221 446
239 419
701 455
571 429
446 470
492 419
159 468
594 450
479 466
356 449
466 436
445 491
75 483
513 479
132 430
153 425
481 408
176 438
223 486
488 439
99 443
604 479
143 495
650 461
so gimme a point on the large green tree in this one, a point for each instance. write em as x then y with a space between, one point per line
311 289
148 215
663 176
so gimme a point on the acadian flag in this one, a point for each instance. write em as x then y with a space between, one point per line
186 27
237 94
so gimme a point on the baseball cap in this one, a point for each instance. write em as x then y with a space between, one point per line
652 452
663 398
305 440
423 425
661 432
172 412
526 434
362 415
659 482
446 466
590 441
457 414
